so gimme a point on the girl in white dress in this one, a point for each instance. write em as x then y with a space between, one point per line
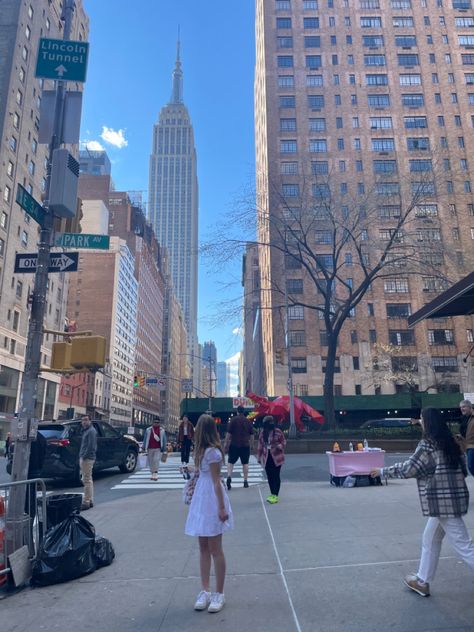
210 513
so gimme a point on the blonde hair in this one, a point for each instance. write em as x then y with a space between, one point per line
205 436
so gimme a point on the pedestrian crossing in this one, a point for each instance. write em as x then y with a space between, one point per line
169 476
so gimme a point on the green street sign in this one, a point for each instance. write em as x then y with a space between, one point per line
30 205
63 60
78 240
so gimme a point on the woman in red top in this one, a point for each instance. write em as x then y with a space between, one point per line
271 455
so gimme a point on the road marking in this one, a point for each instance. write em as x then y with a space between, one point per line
169 476
282 572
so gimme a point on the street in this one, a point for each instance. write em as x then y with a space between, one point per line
107 483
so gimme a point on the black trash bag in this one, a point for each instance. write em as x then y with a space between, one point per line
104 552
67 552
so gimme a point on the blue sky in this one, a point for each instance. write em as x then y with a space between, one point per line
132 54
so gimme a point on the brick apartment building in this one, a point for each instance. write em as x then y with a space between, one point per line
365 95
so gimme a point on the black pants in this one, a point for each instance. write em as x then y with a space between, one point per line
185 449
273 475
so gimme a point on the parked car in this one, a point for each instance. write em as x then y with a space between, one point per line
63 440
388 422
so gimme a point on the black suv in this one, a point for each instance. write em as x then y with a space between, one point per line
63 440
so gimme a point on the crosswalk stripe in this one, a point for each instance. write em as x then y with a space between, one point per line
169 476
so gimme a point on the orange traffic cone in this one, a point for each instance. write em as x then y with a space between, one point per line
3 561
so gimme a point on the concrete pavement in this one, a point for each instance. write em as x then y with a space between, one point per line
324 559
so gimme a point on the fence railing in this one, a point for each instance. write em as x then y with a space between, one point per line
32 524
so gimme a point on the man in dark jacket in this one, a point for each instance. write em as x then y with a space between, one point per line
238 442
87 455
467 432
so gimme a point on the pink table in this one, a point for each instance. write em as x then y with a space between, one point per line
350 463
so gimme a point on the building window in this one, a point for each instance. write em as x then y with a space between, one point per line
296 312
294 286
19 289
443 364
298 365
337 365
440 336
286 81
401 337
396 286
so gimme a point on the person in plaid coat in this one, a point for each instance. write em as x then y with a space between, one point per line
440 469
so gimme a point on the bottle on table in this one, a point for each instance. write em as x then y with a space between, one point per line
351 447
366 445
335 447
360 447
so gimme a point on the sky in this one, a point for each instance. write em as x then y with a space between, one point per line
129 78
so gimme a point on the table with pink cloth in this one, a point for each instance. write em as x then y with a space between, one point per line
355 463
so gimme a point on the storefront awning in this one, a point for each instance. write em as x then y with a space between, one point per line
458 300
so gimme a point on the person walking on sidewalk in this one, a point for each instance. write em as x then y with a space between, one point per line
87 456
238 443
210 513
271 455
154 443
440 469
185 441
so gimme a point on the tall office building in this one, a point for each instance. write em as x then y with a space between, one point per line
22 160
173 201
366 96
94 163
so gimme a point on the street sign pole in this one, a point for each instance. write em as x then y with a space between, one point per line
16 505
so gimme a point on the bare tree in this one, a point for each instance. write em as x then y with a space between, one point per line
390 364
333 248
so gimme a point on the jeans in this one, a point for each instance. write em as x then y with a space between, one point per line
470 460
273 475
86 466
185 450
435 530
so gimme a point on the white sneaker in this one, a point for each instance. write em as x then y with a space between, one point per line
203 600
217 602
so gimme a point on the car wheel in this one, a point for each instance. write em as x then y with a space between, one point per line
130 462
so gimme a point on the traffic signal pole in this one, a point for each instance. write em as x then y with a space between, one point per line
25 427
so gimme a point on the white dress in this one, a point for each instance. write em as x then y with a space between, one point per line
203 516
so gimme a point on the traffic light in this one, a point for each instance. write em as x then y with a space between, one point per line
280 356
83 352
139 381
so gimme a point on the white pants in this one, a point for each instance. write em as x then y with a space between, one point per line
458 537
154 458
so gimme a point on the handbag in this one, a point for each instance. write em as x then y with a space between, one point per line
189 487
164 457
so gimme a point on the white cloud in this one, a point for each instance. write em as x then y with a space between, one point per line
237 331
114 137
93 145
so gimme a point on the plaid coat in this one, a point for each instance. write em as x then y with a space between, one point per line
443 491
277 443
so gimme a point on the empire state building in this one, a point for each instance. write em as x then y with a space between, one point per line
173 199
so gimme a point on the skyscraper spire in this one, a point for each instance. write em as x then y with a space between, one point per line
177 96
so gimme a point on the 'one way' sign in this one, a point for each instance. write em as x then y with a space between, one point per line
58 262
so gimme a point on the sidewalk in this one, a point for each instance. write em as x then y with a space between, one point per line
322 560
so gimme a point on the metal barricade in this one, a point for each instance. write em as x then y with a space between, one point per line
32 524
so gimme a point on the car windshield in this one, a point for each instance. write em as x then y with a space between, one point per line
52 432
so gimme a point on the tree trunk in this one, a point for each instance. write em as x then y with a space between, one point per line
329 412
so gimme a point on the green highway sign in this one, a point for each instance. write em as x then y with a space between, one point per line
63 60
30 205
77 240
